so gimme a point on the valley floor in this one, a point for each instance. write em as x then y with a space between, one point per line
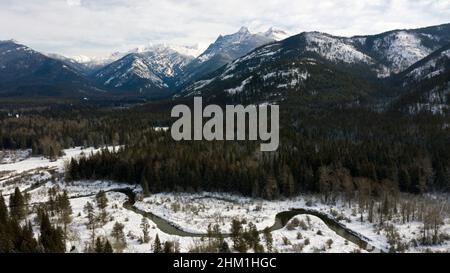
181 214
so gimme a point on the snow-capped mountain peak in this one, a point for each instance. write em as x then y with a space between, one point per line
192 51
276 34
236 44
243 30
187 50
237 37
150 69
82 59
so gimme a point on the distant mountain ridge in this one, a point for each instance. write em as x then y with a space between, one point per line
324 67
224 50
249 67
428 83
150 72
26 72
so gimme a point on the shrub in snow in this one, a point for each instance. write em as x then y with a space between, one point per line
303 225
306 242
298 248
286 241
329 243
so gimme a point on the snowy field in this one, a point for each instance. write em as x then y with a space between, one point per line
194 212
12 156
31 163
116 211
313 236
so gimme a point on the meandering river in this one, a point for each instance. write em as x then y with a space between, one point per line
281 219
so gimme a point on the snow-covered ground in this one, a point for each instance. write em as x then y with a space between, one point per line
311 235
32 170
194 212
11 156
32 163
117 213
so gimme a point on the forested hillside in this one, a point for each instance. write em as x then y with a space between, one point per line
324 151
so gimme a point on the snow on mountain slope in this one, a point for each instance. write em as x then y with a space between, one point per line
335 48
85 64
276 34
235 45
164 60
430 67
313 64
89 65
397 50
95 63
224 50
24 71
401 49
363 57
82 59
426 84
121 72
144 71
193 51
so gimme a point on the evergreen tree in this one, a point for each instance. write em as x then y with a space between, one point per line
144 185
107 247
99 246
91 223
236 230
102 204
119 236
117 232
17 205
29 243
51 239
224 248
3 212
268 239
239 243
65 210
157 245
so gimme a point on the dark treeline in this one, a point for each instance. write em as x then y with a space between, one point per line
48 129
327 152
321 150
16 232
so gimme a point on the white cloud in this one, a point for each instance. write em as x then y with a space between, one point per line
99 26
74 2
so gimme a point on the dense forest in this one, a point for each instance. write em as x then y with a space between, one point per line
48 127
338 150
321 150
356 154
15 237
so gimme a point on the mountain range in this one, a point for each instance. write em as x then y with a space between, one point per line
26 72
328 69
409 68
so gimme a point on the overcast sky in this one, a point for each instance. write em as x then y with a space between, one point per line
97 27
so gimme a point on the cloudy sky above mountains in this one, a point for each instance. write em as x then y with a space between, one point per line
96 27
